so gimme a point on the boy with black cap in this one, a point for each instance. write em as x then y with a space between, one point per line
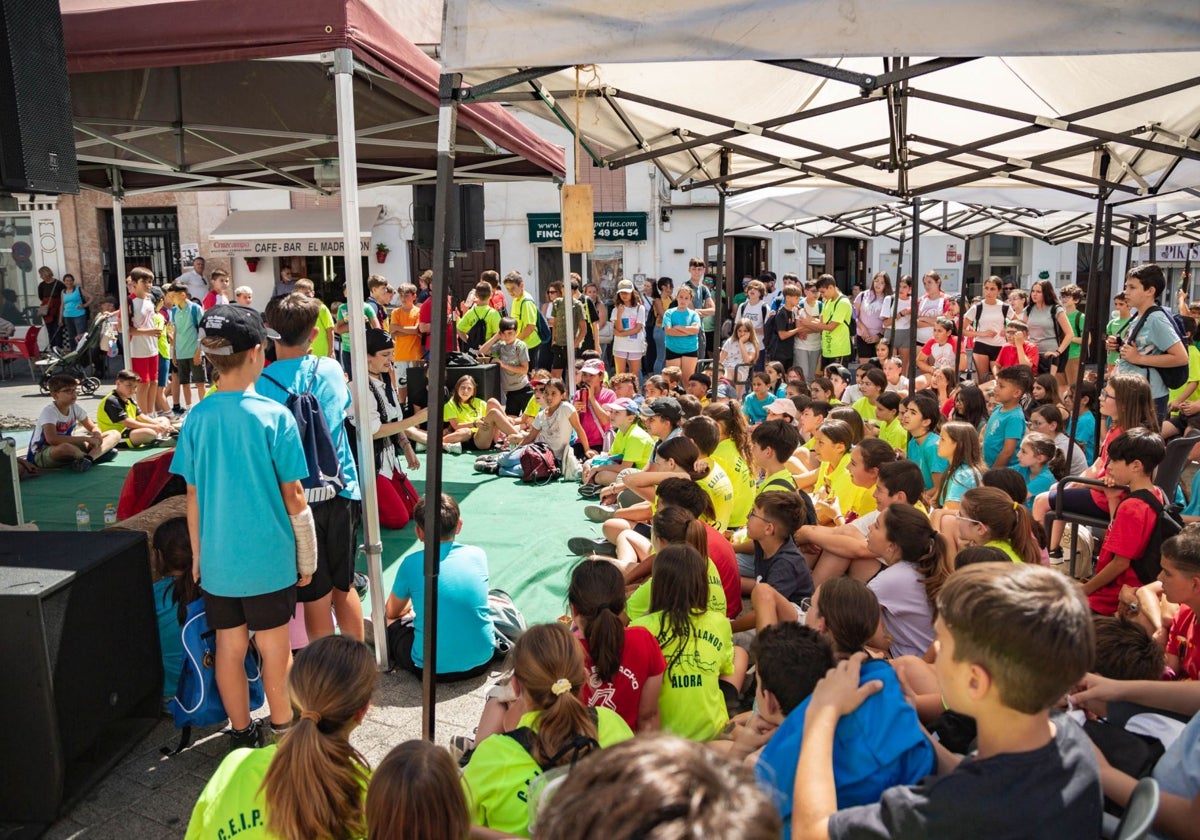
238 452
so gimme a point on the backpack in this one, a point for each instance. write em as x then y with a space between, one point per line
545 783
197 701
809 517
1172 377
537 464
543 326
1167 524
477 335
325 479
770 336
507 621
978 313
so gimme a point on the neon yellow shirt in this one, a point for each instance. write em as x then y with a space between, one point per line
691 704
481 312
772 482
720 489
320 344
864 503
893 434
496 780
638 603
472 412
836 342
836 482
164 345
1193 375
730 460
1007 548
633 446
864 408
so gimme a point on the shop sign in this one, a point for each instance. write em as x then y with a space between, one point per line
608 227
282 248
1170 253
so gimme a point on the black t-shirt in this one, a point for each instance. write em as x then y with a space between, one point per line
786 571
114 408
1049 793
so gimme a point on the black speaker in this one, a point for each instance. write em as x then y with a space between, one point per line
81 664
466 223
487 379
37 139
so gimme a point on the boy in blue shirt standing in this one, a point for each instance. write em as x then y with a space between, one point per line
185 348
1006 426
241 452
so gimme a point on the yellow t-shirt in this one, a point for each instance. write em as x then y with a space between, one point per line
776 482
472 412
638 603
893 434
720 489
744 491
320 344
836 482
864 408
1193 375
1006 547
863 504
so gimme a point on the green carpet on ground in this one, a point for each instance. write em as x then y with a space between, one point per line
524 529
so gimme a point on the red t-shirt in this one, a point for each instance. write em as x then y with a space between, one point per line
641 659
721 553
1181 641
1008 355
426 317
1127 536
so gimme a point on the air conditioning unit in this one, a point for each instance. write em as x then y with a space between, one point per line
326 174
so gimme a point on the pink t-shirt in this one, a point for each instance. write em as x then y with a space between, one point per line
591 425
641 659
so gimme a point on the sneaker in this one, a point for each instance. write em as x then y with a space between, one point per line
586 546
418 446
251 737
461 748
177 411
82 464
589 491
599 513
453 448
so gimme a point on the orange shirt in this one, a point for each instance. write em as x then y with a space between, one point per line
407 347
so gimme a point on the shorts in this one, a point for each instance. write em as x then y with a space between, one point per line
1045 360
186 370
672 355
256 612
401 369
1184 421
400 636
558 357
336 521
164 371
146 367
866 349
42 459
992 351
826 361
643 528
629 355
515 402
1077 500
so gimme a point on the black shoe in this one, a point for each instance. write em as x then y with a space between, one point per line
251 737
82 464
585 547
1056 554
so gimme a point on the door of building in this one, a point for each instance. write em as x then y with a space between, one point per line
467 267
151 241
845 259
746 256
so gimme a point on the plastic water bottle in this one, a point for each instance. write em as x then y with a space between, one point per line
110 515
83 519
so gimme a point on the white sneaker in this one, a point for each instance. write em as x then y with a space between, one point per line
453 448
418 446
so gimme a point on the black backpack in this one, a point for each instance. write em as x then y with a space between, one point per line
1172 377
325 479
477 335
1167 525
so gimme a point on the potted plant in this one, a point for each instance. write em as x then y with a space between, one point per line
381 252
252 264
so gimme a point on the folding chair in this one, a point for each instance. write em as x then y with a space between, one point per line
1140 813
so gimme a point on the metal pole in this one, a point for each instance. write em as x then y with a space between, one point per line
895 299
119 250
962 312
1133 235
364 402
448 90
568 297
916 301
722 279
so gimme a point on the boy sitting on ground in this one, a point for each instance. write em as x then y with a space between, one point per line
54 443
119 413
778 564
1011 640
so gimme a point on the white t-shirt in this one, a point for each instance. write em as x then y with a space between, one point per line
903 313
556 428
625 318
812 340
991 317
141 346
731 354
755 313
927 308
64 424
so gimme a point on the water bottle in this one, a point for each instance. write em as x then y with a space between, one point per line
83 519
110 515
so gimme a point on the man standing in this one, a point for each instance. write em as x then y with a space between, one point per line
705 303
835 323
286 284
525 310
1151 342
197 285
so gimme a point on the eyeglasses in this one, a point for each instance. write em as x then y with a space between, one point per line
967 519
1105 395
805 605
753 515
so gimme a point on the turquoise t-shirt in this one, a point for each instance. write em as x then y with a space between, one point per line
924 455
187 324
1040 483
681 318
1001 426
170 635
756 409
959 482
236 448
1085 434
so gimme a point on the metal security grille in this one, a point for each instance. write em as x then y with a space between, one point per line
151 241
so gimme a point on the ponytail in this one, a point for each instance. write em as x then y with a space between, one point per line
548 665
314 784
1058 464
910 530
597 593
1022 538
675 525
1006 520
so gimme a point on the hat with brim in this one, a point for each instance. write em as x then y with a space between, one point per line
241 326
667 408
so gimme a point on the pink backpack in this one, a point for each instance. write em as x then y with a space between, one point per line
538 465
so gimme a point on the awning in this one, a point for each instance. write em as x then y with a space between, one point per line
288 233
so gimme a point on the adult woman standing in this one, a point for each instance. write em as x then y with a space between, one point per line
75 304
629 329
681 332
648 293
666 297
933 305
868 306
985 322
49 292
897 318
1049 328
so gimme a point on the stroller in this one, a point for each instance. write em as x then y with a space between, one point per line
74 362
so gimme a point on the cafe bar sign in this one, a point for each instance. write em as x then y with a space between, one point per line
609 227
282 247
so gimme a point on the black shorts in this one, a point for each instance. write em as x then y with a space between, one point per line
558 357
1045 360
185 369
400 636
336 521
690 354
642 528
992 351
826 361
256 612
516 401
866 349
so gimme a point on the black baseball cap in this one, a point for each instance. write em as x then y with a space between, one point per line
667 408
240 325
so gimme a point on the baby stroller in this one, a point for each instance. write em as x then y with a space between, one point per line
72 363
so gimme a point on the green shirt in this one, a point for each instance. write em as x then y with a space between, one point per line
772 483
477 313
638 604
836 343
720 490
559 313
893 434
1006 547
1193 376
730 460
691 704
1075 319
864 408
496 780
633 446
472 412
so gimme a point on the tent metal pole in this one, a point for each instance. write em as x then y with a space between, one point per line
568 299
118 198
449 85
722 280
343 80
962 313
1133 238
895 297
916 301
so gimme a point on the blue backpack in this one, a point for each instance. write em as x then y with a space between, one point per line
325 479
197 701
543 326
